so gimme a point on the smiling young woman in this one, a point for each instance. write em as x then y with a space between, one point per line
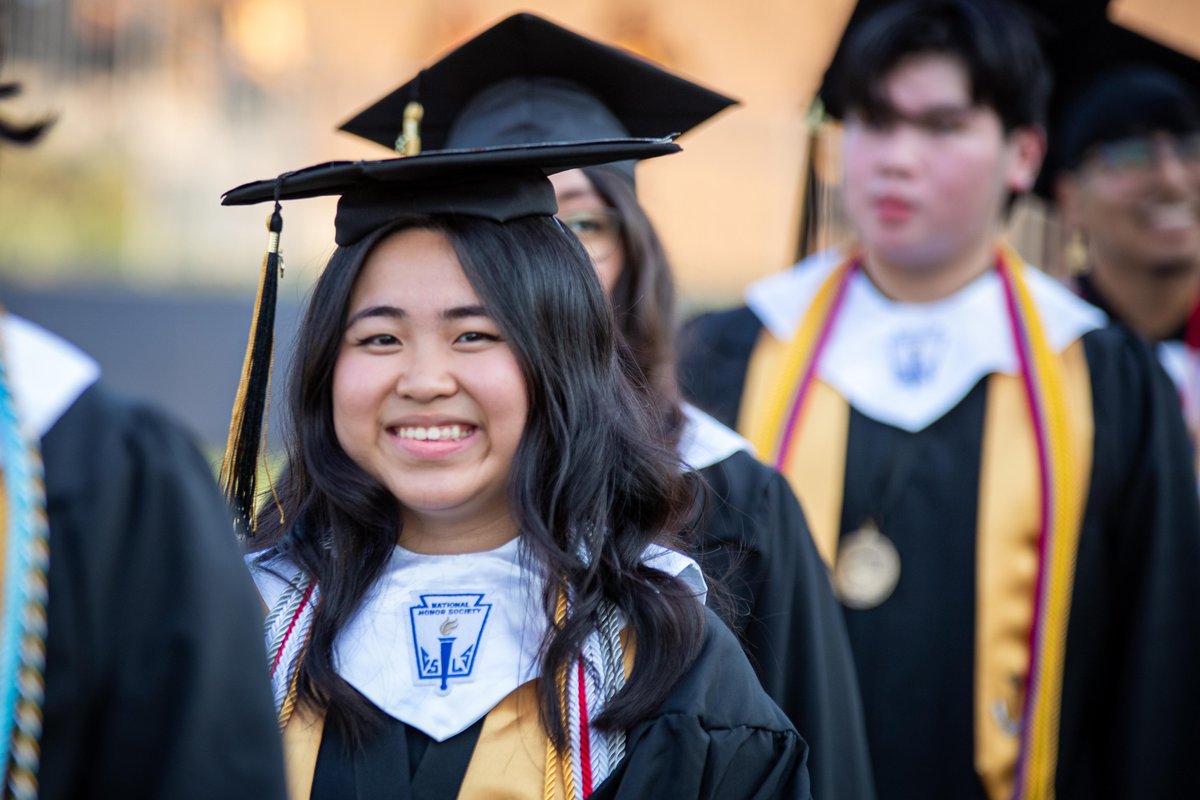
467 570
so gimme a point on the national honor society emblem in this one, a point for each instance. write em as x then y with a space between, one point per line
447 629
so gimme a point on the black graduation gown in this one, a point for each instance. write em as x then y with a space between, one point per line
774 591
155 679
715 736
1131 701
714 353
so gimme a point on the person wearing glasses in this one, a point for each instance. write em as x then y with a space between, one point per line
527 80
1129 192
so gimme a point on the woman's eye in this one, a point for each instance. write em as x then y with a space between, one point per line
379 340
471 337
582 226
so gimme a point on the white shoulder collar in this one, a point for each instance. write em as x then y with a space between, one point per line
441 640
705 441
48 374
908 364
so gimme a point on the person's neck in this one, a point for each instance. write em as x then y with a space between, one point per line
436 534
1154 302
925 284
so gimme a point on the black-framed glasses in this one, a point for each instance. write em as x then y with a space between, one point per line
598 231
1142 154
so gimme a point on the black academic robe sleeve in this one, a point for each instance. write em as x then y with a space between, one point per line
777 596
715 736
156 679
1131 696
714 353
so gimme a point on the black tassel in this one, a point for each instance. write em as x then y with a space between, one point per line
810 189
239 470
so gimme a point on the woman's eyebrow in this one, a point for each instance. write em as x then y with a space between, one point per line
378 311
462 312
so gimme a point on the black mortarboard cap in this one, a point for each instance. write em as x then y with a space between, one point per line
527 80
1126 102
498 183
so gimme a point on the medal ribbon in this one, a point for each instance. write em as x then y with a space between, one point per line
774 432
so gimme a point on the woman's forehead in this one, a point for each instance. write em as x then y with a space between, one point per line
416 268
573 184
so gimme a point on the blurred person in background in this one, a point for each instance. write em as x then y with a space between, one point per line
130 659
527 80
1128 189
999 480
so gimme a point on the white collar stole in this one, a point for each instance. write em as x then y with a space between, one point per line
440 640
48 374
908 364
705 441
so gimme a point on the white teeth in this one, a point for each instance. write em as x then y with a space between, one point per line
1173 216
451 433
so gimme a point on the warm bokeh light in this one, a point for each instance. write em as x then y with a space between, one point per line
164 105
162 111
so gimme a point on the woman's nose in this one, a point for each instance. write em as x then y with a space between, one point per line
426 375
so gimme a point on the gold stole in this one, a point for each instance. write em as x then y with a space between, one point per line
508 762
1007 529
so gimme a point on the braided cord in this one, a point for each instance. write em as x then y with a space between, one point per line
553 757
614 674
287 629
22 646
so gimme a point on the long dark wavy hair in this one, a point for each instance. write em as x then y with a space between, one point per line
590 485
643 298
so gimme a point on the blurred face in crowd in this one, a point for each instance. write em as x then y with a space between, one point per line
584 212
927 176
428 398
1137 201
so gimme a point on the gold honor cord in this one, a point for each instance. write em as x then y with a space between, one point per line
553 758
1062 521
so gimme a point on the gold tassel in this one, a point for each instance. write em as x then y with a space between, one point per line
1075 254
408 143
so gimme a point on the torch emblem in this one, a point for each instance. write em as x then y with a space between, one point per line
447 630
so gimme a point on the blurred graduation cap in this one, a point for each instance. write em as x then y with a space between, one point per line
1080 43
528 80
1088 48
1123 102
499 183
